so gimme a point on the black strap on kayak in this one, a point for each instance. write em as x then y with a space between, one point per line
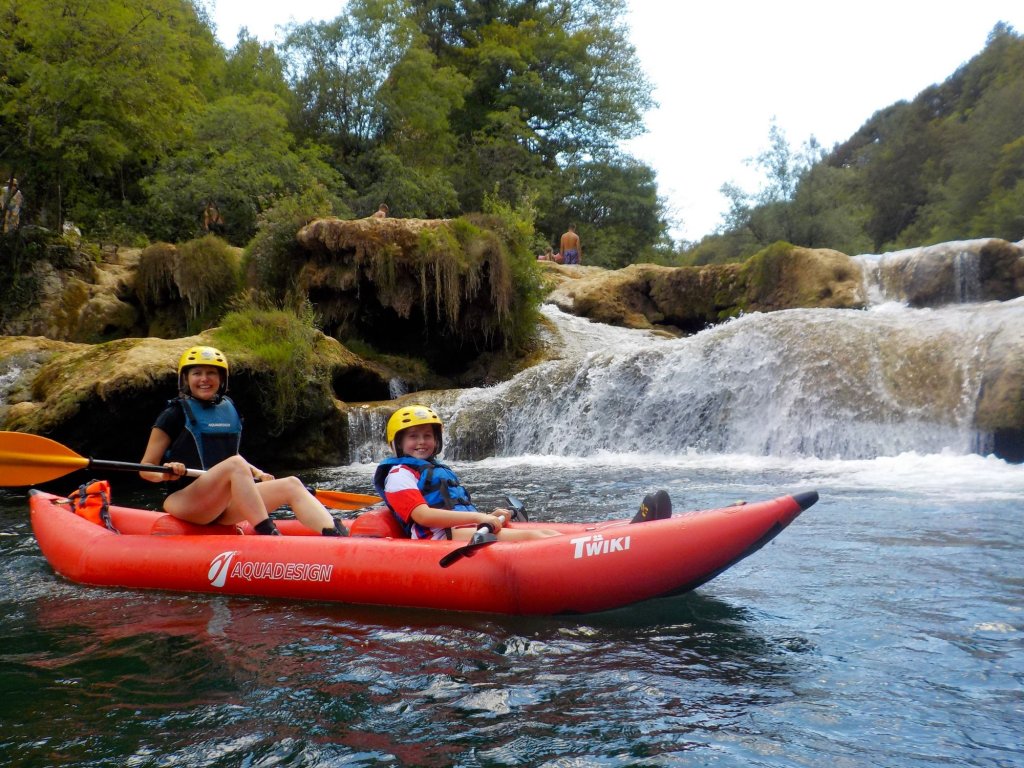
92 501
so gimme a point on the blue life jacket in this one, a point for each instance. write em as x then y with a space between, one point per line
213 432
439 485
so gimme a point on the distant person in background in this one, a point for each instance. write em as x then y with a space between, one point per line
213 222
11 203
381 212
569 247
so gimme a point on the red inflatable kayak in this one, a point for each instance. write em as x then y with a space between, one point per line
593 567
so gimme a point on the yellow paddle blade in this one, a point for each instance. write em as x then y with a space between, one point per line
343 500
28 459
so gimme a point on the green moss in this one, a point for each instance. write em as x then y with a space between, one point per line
765 266
206 274
281 345
201 275
154 282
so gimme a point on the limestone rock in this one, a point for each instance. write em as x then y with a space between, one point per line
439 290
688 299
101 399
90 302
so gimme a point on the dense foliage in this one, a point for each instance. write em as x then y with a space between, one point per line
127 116
948 165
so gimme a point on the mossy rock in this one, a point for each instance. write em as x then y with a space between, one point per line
785 276
101 399
688 299
447 291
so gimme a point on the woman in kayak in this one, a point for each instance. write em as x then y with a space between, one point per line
201 427
425 495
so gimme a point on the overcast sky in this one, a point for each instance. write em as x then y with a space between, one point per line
722 71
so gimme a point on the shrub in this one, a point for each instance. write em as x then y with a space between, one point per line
282 342
206 273
203 274
271 255
154 281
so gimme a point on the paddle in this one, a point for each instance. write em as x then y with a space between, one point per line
27 459
345 500
484 535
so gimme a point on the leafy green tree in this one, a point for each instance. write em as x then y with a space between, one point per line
471 98
419 97
944 166
828 211
1001 214
94 92
618 198
770 214
255 67
240 155
337 69
410 191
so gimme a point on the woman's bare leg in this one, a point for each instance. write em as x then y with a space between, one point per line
227 491
290 490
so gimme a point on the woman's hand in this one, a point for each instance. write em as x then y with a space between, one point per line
175 470
260 476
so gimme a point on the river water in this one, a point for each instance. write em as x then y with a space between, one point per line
884 627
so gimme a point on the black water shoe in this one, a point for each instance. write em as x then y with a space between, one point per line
267 528
655 506
337 530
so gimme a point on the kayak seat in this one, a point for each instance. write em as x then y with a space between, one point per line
169 525
378 523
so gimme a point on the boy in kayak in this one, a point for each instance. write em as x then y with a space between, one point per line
202 427
425 495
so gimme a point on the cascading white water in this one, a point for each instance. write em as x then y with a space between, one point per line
948 273
824 383
6 379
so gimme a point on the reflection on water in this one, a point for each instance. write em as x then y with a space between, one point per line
882 628
121 666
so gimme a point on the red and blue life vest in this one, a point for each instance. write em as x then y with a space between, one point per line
437 482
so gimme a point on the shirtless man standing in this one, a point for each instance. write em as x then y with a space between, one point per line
569 247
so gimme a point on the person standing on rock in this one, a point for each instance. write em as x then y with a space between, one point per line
11 202
569 247
201 427
213 222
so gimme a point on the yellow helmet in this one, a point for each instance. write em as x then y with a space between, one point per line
412 416
202 356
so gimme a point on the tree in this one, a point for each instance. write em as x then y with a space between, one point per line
770 214
93 92
337 69
477 97
618 198
255 67
240 154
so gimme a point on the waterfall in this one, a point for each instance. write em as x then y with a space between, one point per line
948 273
7 378
807 382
